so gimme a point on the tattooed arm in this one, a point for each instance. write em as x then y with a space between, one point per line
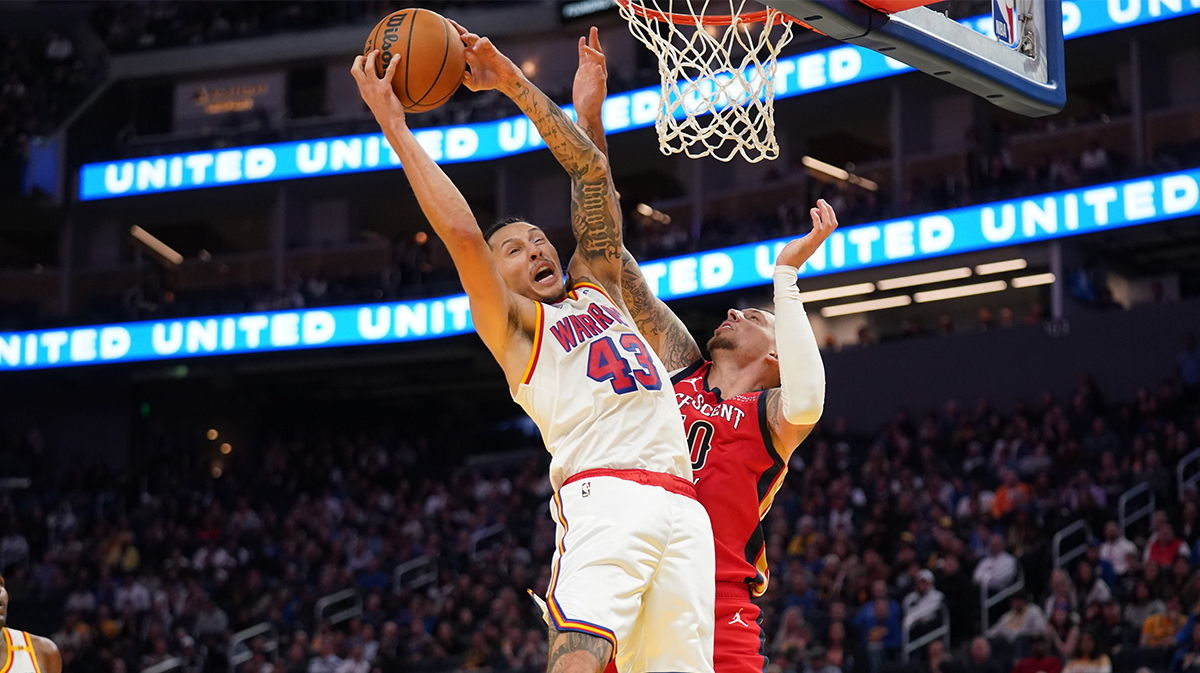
595 215
662 329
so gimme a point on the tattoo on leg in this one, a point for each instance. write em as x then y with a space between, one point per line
562 658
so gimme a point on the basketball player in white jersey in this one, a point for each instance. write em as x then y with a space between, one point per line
632 574
22 652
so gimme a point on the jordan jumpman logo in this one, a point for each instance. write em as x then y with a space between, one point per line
737 618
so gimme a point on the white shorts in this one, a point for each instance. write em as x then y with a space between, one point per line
634 565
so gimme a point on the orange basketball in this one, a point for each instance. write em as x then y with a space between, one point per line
432 53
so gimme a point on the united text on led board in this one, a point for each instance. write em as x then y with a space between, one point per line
1005 223
796 75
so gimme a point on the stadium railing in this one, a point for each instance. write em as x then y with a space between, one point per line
1062 558
240 652
988 600
335 599
940 632
174 663
418 572
1183 483
1127 518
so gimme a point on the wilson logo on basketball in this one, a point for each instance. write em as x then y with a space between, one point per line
390 35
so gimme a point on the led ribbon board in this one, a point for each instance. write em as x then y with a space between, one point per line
796 75
1016 221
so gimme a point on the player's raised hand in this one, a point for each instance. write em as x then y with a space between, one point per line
824 221
487 68
377 91
591 79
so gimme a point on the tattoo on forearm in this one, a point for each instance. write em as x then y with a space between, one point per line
564 643
594 221
595 217
566 140
663 329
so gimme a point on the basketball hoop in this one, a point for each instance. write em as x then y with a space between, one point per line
717 70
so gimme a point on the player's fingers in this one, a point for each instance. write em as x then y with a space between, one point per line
468 81
815 216
356 69
582 47
390 73
594 39
596 56
372 64
458 27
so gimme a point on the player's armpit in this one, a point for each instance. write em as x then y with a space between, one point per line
663 330
572 652
786 436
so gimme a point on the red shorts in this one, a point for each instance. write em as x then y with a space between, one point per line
739 645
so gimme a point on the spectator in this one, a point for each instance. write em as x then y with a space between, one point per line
1011 494
1142 606
1164 546
999 568
1039 660
1187 656
325 661
1022 620
921 605
1087 658
979 659
1113 635
818 662
1062 593
880 630
1116 549
1092 589
937 659
1160 630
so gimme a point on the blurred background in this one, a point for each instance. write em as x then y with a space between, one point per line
1019 418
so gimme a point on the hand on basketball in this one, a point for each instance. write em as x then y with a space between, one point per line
377 91
824 221
591 79
487 68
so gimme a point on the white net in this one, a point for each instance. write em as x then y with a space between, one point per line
717 70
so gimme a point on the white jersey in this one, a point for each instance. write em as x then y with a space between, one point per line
19 656
600 396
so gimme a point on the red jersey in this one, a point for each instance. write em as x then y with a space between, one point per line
736 469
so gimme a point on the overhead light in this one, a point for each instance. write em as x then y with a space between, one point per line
529 67
925 278
644 209
1030 281
960 291
226 448
837 292
147 239
212 433
839 173
1001 267
864 306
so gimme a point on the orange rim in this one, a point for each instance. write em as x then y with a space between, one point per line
641 10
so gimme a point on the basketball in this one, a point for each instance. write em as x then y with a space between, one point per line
433 63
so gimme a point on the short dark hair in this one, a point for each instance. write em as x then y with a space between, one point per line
500 224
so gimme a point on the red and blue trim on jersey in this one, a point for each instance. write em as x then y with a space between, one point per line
537 343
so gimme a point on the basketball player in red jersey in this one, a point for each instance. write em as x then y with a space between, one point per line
22 652
744 411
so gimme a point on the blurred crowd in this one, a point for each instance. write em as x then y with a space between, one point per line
873 536
42 79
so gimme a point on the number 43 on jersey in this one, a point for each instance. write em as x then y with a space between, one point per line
606 362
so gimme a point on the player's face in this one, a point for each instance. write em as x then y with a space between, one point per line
750 333
527 262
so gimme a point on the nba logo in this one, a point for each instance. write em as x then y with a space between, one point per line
586 487
1004 18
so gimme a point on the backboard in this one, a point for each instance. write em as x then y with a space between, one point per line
1027 79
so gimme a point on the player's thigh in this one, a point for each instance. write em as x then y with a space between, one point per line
609 542
739 645
678 608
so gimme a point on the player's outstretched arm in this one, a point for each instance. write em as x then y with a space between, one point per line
796 405
662 329
495 311
595 215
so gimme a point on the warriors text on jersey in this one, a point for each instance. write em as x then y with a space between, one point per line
600 396
19 656
736 469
